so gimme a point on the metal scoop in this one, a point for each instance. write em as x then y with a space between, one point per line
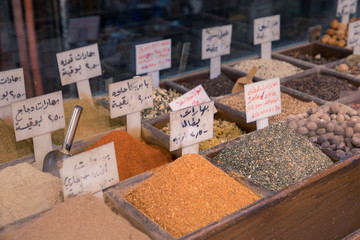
51 159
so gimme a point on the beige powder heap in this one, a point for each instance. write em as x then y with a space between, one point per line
93 120
189 194
9 148
25 190
81 217
289 105
268 68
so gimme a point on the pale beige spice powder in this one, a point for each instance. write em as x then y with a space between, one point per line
289 105
81 217
188 194
25 190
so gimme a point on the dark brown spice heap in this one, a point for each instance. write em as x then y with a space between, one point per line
322 86
189 194
274 157
215 87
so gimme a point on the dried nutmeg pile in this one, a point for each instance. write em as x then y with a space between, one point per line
333 127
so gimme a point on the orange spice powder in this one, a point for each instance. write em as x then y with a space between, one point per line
133 155
188 194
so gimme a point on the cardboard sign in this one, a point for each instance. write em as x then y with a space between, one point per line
354 34
38 115
79 64
193 97
216 41
130 96
153 56
345 7
191 125
266 29
90 171
262 99
12 86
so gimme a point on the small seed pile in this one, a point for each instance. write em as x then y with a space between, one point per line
162 98
223 131
289 105
81 217
273 157
25 190
268 68
333 127
9 148
214 87
322 86
189 194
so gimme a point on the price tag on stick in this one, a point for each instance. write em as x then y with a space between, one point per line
89 172
354 37
153 57
262 100
12 89
266 30
216 42
37 117
191 125
129 98
344 9
78 65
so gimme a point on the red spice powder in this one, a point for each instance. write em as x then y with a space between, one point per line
133 155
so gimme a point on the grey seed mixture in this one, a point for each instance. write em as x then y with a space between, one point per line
273 157
162 98
268 68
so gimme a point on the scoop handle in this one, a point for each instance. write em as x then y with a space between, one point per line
69 137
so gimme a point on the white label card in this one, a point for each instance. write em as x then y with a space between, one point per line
216 41
79 64
153 56
266 29
90 171
345 7
191 125
39 115
354 34
193 97
12 86
130 96
262 99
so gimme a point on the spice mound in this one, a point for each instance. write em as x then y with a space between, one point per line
214 87
289 105
133 155
268 68
224 131
25 190
94 120
82 217
273 157
189 194
322 86
9 148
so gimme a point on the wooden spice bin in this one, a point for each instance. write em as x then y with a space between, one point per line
312 49
173 83
114 197
300 64
325 205
313 72
151 133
